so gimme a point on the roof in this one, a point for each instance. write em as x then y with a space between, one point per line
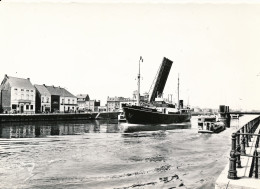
19 82
82 96
42 89
59 91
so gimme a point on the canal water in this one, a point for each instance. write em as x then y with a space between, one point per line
108 154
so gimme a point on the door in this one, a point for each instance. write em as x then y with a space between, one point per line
21 108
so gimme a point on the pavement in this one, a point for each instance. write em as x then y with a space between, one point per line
243 181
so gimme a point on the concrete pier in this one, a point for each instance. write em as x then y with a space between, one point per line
56 116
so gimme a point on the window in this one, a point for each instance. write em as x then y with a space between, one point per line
14 106
31 107
31 97
22 96
27 107
68 101
31 90
27 90
15 89
27 97
42 99
22 89
47 100
73 101
63 101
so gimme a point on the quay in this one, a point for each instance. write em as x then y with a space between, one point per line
57 116
242 171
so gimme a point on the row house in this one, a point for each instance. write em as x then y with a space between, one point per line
114 103
17 95
81 100
85 104
92 105
61 99
54 99
102 109
43 99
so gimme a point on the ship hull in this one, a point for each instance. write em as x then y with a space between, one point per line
145 116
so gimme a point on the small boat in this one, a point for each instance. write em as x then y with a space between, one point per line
212 127
206 118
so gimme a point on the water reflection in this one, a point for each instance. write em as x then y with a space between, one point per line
139 128
44 129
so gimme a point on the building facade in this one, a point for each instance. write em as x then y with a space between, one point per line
143 98
17 95
61 99
43 99
102 109
115 103
81 100
92 105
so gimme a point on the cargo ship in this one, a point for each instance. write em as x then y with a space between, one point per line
157 111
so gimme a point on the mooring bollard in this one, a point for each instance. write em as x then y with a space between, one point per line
232 172
238 149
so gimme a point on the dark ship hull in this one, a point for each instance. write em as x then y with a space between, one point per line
165 113
141 115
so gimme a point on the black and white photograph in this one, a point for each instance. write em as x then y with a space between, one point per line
129 94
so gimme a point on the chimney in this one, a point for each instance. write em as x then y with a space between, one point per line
28 78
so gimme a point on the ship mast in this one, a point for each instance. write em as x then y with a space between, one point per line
178 92
138 83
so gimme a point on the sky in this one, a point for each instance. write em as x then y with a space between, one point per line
94 48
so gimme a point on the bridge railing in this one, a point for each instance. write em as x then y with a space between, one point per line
247 134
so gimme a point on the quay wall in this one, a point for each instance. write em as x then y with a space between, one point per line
107 115
56 117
